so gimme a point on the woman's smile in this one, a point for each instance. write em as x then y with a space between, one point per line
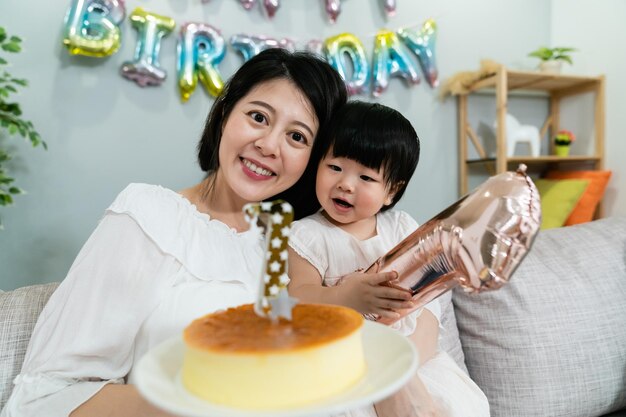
256 170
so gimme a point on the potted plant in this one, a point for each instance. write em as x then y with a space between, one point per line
11 121
552 58
562 140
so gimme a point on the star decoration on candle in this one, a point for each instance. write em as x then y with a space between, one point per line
283 304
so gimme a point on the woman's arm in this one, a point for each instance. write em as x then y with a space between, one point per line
119 401
426 335
414 400
84 338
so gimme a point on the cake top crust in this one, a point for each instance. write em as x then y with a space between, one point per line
241 330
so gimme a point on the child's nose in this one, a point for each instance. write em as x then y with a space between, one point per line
345 184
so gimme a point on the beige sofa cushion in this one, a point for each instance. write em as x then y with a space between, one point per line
19 310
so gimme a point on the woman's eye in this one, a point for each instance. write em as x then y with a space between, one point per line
299 137
258 117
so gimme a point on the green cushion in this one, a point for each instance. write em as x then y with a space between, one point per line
558 199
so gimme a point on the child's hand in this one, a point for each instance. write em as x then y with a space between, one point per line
364 293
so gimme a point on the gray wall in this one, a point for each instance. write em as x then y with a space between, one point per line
104 132
600 41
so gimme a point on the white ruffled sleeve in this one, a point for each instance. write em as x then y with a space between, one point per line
309 244
85 335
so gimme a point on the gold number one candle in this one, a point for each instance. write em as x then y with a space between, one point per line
275 217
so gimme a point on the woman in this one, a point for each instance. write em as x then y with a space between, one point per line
159 259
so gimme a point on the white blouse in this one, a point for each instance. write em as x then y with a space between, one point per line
153 264
335 252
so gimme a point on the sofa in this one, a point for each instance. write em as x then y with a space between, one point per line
552 342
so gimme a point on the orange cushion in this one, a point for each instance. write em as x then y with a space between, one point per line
586 207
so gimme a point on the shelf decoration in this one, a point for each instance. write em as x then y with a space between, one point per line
552 58
562 141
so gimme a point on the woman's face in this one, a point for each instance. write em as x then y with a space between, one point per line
266 141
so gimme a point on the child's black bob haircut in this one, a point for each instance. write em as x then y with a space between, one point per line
377 136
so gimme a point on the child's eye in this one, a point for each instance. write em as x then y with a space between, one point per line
367 179
334 167
258 117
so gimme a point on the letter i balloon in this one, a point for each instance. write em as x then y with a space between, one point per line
144 69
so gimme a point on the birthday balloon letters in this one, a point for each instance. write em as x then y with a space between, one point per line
92 28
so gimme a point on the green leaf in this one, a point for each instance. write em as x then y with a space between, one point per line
11 47
16 39
3 61
35 139
11 88
6 199
15 190
19 81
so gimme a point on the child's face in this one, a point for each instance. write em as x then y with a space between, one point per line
350 192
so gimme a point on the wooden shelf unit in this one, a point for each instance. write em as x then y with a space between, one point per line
556 87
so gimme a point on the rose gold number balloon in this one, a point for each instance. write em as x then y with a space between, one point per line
477 242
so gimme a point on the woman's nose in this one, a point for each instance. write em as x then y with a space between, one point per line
269 145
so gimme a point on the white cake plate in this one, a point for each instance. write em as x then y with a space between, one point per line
391 360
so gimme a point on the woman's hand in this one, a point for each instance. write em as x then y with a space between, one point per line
118 400
365 293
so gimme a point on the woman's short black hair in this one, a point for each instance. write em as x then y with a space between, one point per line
319 83
377 136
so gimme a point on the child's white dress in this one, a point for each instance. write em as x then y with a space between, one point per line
335 253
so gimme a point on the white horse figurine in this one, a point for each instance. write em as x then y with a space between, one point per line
516 132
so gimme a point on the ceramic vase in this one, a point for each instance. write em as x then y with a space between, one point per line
553 67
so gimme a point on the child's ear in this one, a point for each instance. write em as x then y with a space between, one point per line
393 190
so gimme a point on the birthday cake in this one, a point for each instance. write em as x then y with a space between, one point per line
239 359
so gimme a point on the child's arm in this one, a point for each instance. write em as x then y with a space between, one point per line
359 291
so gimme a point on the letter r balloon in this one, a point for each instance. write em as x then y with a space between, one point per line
201 48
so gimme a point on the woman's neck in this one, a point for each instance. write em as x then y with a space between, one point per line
218 204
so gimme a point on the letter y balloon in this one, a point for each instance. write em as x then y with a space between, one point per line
476 243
